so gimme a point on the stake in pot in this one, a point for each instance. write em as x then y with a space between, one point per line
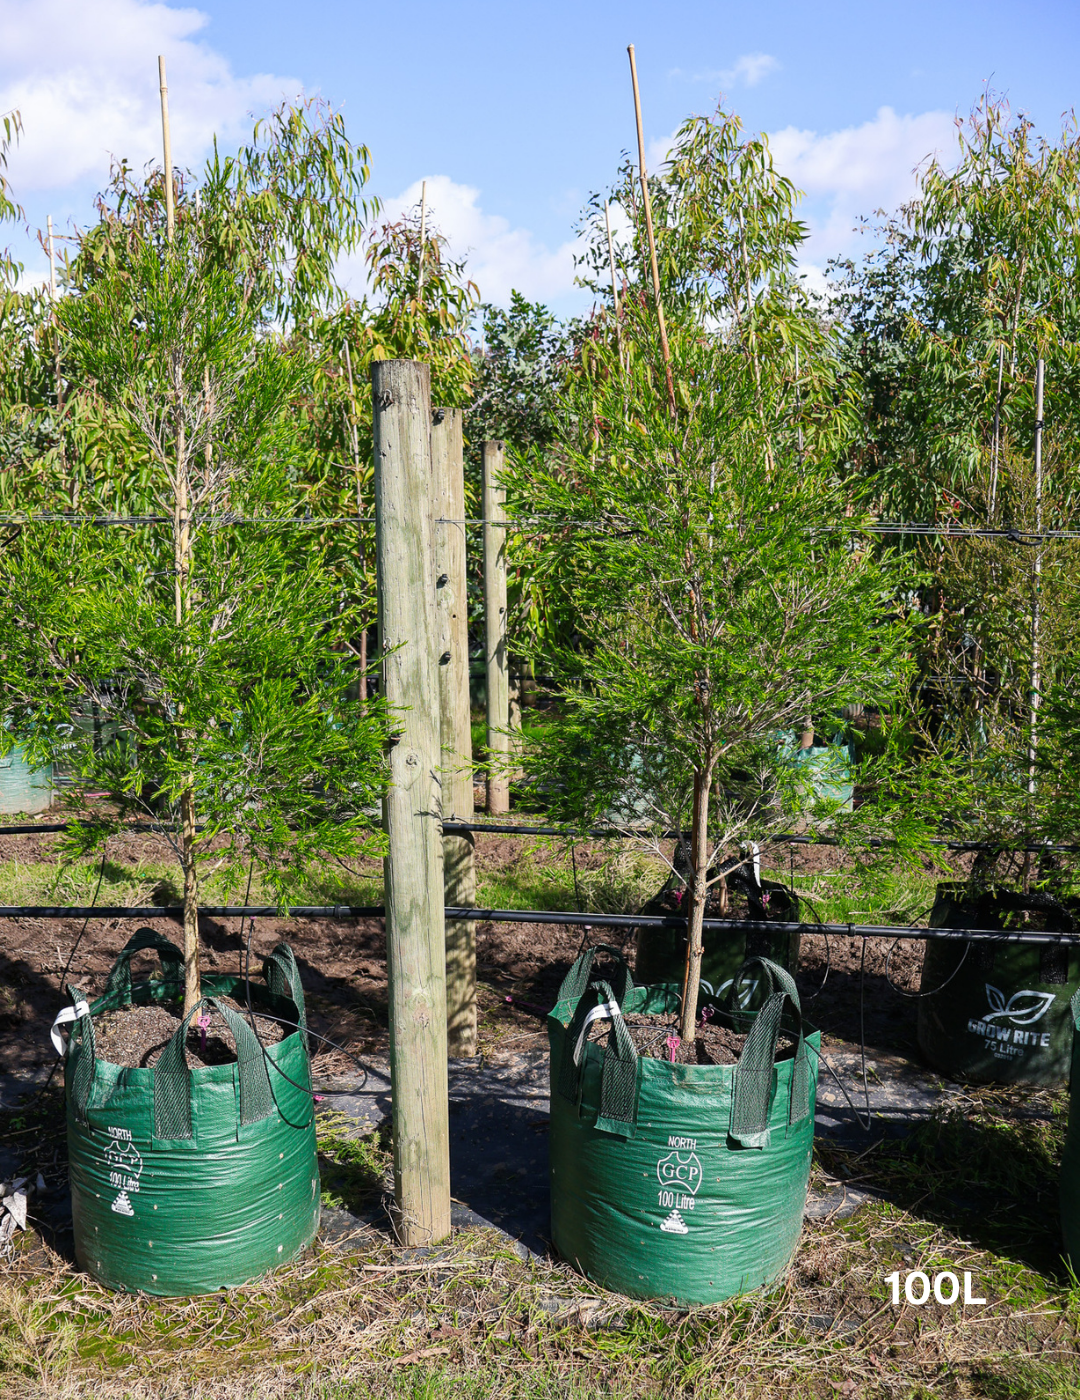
683 1182
184 1180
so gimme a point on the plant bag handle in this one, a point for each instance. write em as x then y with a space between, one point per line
282 976
577 979
172 1078
752 1084
618 1074
83 1055
119 983
575 986
1074 1007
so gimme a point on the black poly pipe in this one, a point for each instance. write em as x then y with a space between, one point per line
453 828
530 916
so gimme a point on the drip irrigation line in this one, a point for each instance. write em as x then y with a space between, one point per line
919 996
472 914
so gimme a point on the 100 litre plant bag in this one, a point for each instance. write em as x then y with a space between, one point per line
998 1012
184 1180
670 1181
1069 1182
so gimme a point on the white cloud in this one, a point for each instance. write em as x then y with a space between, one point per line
857 170
500 258
83 74
747 71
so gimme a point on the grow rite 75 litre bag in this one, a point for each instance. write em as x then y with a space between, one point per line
998 1013
184 1180
682 1182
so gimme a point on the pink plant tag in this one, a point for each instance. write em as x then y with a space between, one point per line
672 1042
202 1021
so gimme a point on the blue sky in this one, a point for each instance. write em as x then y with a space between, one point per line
513 112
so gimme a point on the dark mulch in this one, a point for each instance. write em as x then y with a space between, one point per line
656 1037
133 1037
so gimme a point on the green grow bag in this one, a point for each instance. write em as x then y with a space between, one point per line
680 1182
1069 1185
22 788
660 953
997 1013
827 772
186 1181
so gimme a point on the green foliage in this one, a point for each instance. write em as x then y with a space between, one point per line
984 263
718 590
214 648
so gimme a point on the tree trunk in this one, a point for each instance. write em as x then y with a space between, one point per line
698 891
192 983
181 579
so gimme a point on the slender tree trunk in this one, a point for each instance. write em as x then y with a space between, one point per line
181 575
698 891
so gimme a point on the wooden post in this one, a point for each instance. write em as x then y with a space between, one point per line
416 959
498 687
451 599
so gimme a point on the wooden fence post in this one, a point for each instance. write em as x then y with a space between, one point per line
498 687
451 596
416 955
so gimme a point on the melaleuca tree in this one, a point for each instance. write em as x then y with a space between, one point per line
719 591
212 634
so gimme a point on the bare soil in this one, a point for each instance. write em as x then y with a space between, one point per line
133 1037
343 966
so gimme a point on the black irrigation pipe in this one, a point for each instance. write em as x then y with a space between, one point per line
884 527
534 916
456 828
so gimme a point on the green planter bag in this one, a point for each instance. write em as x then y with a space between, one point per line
997 1013
682 1182
183 1180
1069 1185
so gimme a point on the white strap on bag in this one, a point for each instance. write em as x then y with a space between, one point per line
606 1009
65 1017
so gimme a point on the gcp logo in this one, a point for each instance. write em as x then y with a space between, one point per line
679 1172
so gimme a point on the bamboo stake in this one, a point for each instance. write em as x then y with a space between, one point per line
170 216
649 230
415 926
451 595
498 684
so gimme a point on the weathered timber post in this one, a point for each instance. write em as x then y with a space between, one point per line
451 599
498 688
416 955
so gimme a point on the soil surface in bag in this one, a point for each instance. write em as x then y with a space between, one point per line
654 1038
133 1037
